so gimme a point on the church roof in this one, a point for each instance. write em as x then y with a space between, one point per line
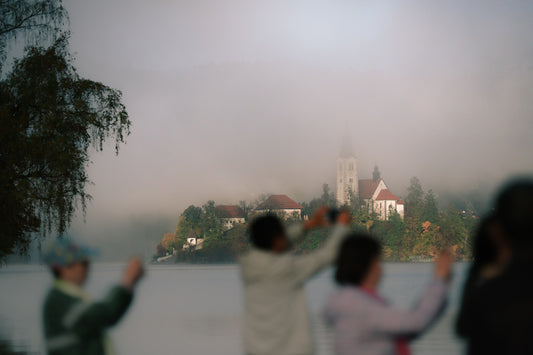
279 202
400 202
192 234
229 211
367 188
387 195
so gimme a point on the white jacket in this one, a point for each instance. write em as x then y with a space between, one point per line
276 319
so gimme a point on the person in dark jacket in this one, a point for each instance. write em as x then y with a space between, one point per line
496 316
73 323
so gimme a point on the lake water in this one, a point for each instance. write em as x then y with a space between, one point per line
198 309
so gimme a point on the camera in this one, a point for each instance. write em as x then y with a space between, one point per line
333 214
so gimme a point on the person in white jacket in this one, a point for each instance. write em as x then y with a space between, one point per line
276 316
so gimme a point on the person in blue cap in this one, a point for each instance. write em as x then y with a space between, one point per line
73 323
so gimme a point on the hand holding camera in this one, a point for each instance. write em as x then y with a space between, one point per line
326 216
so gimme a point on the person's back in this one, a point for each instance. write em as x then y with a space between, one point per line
501 313
497 317
275 305
363 323
276 317
73 323
75 326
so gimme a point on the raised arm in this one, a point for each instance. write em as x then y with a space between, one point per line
389 320
296 232
86 318
307 265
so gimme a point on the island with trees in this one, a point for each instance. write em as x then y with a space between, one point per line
203 236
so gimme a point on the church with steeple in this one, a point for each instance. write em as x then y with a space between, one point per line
372 193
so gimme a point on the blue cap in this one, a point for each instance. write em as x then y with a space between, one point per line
64 252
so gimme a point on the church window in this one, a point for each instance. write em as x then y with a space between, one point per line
351 180
350 166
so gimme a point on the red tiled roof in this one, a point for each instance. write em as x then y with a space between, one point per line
367 187
400 202
279 202
229 211
387 195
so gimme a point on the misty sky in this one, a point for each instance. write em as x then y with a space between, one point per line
231 99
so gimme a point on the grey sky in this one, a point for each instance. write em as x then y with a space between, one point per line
231 99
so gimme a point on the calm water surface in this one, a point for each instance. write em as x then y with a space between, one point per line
198 309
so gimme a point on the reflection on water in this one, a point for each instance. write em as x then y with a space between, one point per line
197 309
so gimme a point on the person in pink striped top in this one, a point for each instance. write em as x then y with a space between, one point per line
363 323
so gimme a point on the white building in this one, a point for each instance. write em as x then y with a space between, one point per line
193 241
378 199
282 206
230 215
373 193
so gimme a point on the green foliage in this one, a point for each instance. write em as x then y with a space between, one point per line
225 247
391 233
454 230
204 223
414 202
33 21
190 219
49 118
395 235
313 240
430 211
429 241
211 226
328 196
418 236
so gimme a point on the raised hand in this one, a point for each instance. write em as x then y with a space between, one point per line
133 273
443 266
344 218
318 219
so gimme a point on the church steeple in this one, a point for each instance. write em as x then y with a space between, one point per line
347 177
346 147
376 175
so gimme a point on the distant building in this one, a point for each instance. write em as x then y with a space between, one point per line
373 193
282 206
230 215
378 199
193 241
347 178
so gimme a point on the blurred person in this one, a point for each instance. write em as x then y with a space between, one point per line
362 321
498 315
491 250
276 316
73 323
491 253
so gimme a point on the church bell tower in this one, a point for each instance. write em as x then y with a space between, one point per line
347 178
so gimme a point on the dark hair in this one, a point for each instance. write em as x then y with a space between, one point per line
514 209
355 257
55 272
484 250
264 230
